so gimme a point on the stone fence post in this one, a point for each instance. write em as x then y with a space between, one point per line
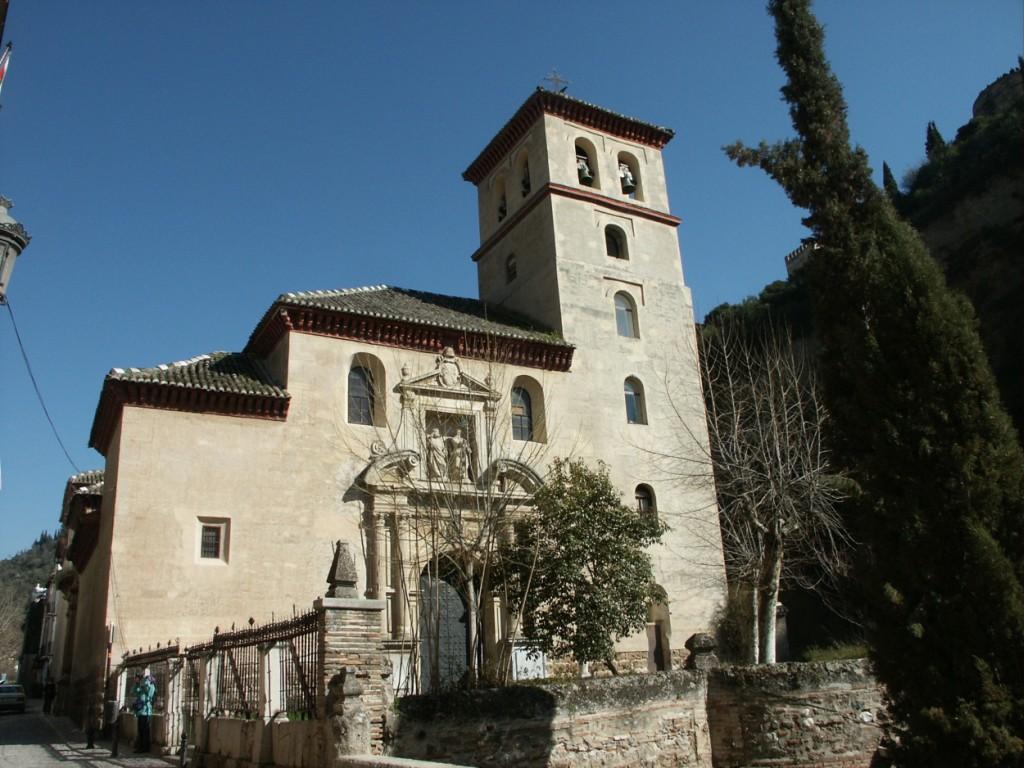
354 676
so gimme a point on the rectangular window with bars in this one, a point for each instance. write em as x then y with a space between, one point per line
213 539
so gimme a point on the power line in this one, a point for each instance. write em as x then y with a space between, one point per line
35 385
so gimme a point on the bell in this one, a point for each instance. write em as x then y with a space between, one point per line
626 179
583 171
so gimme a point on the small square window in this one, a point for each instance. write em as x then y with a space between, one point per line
213 539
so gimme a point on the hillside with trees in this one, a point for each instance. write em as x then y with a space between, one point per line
967 201
18 575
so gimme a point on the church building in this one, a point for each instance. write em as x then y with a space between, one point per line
401 422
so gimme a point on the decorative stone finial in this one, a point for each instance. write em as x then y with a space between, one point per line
702 652
342 576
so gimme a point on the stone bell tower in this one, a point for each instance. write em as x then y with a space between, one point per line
573 209
576 235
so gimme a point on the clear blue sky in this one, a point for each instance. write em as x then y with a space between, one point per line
181 164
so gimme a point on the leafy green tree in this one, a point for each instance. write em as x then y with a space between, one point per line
580 568
919 422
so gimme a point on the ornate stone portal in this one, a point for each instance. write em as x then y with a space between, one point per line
439 495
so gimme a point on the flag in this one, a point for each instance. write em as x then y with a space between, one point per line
5 60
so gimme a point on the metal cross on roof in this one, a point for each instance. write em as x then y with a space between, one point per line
558 83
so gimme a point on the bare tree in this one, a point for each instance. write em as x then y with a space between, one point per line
777 490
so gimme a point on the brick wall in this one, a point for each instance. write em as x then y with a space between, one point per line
352 639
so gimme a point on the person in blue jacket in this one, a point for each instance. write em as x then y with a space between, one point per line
142 706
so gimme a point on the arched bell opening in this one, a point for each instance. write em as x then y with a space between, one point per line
586 165
629 176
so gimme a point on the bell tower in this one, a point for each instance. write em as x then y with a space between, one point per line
573 211
576 235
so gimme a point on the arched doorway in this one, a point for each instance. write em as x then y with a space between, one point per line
444 632
659 638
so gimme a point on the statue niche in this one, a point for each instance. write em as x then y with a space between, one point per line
450 446
442 413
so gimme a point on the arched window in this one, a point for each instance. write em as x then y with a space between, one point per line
524 176
636 412
625 316
629 176
366 387
510 268
522 414
360 395
528 416
645 504
501 206
615 242
586 171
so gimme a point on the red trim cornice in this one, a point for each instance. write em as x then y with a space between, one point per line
574 110
574 193
118 393
407 335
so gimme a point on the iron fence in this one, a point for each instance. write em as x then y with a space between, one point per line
285 652
300 666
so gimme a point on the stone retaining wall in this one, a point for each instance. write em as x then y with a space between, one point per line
655 719
786 716
824 715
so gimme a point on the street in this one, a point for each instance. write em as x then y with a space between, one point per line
34 740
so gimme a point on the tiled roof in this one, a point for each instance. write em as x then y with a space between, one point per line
227 383
452 312
569 108
89 477
88 483
234 372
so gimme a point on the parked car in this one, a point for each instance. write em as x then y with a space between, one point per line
12 698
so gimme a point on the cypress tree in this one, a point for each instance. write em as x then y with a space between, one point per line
919 422
934 144
892 189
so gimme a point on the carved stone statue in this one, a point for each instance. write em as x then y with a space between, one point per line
437 460
347 717
458 457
